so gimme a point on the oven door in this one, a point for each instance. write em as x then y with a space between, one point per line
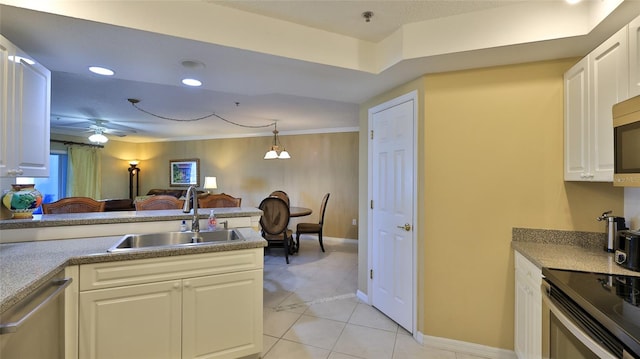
568 332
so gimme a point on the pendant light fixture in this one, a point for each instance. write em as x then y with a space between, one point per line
98 137
275 152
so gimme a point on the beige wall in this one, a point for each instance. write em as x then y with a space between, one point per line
491 160
320 163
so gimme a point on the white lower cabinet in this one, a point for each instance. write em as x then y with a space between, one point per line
528 309
210 306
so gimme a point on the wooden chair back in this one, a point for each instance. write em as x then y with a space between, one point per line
159 202
282 195
73 205
219 201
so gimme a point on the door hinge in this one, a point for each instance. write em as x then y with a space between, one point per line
371 273
372 134
371 204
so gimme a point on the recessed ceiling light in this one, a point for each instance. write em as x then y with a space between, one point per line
192 82
573 1
17 59
101 70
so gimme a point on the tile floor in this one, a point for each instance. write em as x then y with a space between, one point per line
311 311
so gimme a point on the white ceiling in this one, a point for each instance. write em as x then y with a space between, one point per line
307 64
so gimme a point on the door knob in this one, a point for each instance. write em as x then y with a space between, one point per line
406 227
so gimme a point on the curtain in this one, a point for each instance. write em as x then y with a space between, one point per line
84 172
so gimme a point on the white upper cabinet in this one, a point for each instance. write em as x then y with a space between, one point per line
609 78
576 121
634 57
591 88
25 95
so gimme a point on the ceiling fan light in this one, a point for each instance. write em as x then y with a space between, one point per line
98 138
271 155
284 155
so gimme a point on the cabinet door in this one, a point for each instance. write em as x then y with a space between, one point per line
137 321
222 315
609 81
521 317
576 121
6 99
634 57
31 125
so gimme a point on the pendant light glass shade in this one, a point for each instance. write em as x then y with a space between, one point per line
271 154
284 155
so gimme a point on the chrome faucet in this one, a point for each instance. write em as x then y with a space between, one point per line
192 195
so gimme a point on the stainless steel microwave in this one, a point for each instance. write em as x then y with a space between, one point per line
626 139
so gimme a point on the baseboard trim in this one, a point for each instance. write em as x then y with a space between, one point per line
465 347
314 237
362 296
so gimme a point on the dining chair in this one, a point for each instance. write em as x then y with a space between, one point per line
73 205
218 201
159 202
282 195
310 228
274 223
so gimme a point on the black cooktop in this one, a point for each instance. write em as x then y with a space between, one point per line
613 300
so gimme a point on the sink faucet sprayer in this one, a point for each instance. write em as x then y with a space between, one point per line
192 195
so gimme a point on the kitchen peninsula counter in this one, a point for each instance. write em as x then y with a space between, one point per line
75 219
578 251
24 266
95 224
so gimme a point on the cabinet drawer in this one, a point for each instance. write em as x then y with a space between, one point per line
115 274
528 270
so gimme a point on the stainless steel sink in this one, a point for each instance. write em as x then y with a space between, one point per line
172 239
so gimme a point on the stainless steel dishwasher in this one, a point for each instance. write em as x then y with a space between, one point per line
34 327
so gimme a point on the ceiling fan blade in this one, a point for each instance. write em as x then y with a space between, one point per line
118 133
74 124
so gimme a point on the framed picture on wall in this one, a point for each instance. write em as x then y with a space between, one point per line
184 173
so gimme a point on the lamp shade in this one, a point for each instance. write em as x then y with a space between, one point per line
210 183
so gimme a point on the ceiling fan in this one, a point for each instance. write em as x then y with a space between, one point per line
98 128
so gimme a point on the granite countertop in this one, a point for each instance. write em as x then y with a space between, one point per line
25 266
579 251
74 219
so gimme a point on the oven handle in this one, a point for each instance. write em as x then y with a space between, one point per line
583 337
14 326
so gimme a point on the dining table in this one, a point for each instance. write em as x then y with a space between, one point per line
299 211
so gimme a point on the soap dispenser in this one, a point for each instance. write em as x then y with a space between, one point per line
212 222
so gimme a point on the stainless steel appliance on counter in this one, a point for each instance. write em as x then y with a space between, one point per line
590 315
626 147
628 249
34 327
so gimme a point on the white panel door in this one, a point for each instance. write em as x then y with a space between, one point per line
392 276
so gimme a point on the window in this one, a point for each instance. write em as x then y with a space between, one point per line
54 187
